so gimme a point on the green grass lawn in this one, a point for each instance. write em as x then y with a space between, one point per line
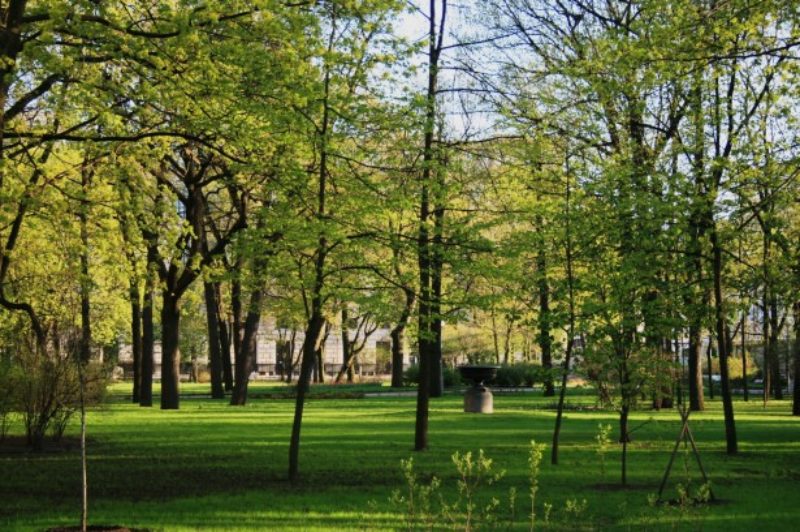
212 466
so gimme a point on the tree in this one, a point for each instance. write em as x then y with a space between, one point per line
186 178
352 49
425 258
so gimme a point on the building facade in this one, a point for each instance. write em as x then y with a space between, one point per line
278 350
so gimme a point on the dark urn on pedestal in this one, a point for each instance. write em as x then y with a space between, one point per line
478 397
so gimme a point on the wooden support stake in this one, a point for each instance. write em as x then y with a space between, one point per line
686 436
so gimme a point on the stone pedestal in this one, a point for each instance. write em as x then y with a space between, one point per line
478 400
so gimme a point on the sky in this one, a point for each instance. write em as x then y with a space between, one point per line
413 26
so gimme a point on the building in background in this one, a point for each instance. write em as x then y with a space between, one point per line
278 347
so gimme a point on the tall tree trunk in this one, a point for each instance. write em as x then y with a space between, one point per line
787 358
397 355
695 368
437 263
678 362
425 329
84 462
766 355
236 311
722 346
85 281
695 309
663 393
397 338
170 351
214 344
571 325
796 352
507 355
624 413
290 360
86 338
316 319
671 387
545 339
148 341
775 330
437 368
624 439
227 363
744 357
225 341
148 329
320 363
247 350
310 343
709 371
347 350
562 392
495 336
136 337
423 384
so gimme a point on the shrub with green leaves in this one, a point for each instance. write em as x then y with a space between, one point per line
45 389
411 375
429 505
517 375
603 441
450 376
6 396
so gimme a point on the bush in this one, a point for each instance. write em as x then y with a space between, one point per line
517 375
450 376
45 389
6 397
533 374
411 375
508 375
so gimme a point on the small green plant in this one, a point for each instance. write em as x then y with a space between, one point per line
652 500
417 500
512 506
687 496
692 508
603 440
472 475
704 493
547 508
683 499
468 512
575 508
426 507
534 461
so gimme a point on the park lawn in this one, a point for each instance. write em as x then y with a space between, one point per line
212 466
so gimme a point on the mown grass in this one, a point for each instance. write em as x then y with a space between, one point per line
212 466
